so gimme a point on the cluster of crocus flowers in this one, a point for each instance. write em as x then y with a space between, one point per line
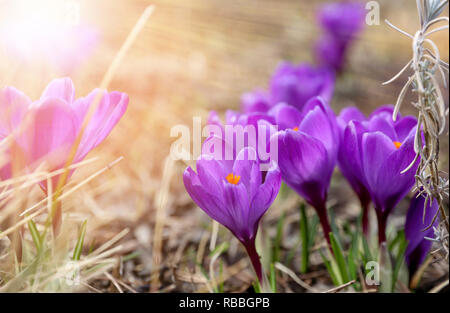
377 157
419 230
341 22
234 192
48 131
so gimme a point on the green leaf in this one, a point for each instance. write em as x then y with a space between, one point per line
367 255
35 235
353 256
333 275
221 284
79 245
400 258
220 249
273 278
278 238
305 241
313 226
340 259
257 287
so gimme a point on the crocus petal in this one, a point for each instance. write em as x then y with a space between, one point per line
211 174
388 194
404 126
48 135
351 114
109 111
317 125
376 147
209 203
418 219
304 165
13 105
247 167
61 88
384 110
378 123
350 162
266 194
238 206
286 116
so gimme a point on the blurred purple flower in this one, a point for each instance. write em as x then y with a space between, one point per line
341 23
330 52
255 102
343 20
234 193
295 85
307 151
373 153
416 222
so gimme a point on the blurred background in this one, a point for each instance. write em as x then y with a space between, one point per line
192 56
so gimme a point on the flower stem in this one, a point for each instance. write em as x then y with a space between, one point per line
323 218
365 217
382 222
254 258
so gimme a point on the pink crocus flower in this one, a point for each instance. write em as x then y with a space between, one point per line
47 129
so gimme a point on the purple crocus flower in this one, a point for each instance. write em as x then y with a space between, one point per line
415 233
343 20
307 151
347 167
255 102
234 193
374 152
295 85
341 23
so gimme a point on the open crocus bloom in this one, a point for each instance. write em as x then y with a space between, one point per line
46 130
234 193
374 152
416 230
295 85
307 151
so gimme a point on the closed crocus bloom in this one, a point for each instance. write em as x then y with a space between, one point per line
295 85
234 193
255 102
51 125
377 150
307 152
346 163
417 228
343 20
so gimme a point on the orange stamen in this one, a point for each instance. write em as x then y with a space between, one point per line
295 128
233 179
397 144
